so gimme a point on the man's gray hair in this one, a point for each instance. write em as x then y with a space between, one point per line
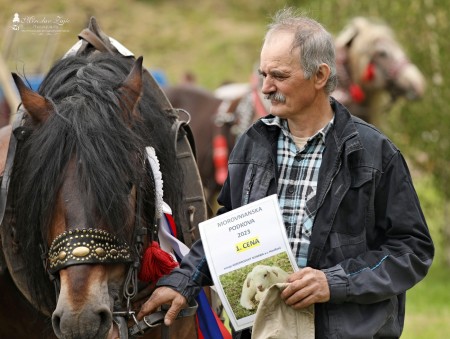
314 41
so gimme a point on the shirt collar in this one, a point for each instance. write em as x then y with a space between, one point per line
283 125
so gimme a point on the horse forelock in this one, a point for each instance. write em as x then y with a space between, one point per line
88 126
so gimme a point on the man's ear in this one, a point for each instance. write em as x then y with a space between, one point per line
322 75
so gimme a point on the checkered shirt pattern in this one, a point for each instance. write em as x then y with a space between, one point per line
297 184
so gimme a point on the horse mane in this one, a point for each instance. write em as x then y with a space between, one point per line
88 125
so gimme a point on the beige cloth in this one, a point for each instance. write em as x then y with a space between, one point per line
276 320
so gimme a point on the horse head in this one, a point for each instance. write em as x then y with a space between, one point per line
371 62
80 181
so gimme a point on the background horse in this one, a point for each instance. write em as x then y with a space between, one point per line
83 202
373 72
217 119
210 124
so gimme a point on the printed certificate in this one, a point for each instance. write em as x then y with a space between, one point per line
247 251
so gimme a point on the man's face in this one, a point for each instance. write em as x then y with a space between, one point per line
284 84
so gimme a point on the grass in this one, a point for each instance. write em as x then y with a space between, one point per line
428 306
232 282
428 303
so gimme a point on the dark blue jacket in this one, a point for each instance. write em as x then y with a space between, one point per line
369 235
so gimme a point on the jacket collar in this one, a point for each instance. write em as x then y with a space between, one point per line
344 128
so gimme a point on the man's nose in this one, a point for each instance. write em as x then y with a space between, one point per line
268 86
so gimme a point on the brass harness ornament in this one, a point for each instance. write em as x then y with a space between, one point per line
87 246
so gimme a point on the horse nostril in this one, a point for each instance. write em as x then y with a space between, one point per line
105 320
56 324
105 316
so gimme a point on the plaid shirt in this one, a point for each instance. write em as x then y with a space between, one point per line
297 184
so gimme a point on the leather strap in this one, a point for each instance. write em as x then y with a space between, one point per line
121 326
94 40
9 163
157 319
194 206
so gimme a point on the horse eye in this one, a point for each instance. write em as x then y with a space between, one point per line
129 186
382 54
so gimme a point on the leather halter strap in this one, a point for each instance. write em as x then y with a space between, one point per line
157 319
9 163
94 40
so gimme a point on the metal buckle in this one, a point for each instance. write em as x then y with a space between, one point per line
157 319
148 322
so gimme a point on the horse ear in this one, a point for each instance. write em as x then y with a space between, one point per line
36 105
131 89
345 38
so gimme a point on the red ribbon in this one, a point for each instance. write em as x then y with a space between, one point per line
369 73
357 93
156 263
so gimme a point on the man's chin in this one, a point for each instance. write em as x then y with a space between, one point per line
277 112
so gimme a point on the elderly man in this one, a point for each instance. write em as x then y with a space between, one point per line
351 213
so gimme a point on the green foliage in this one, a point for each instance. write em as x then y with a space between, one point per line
434 207
427 306
420 128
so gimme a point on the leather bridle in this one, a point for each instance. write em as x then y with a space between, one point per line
100 247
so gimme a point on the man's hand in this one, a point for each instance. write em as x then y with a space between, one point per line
306 287
164 295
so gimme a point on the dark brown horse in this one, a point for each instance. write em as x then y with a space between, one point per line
373 72
81 197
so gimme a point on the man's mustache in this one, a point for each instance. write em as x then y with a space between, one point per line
276 96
